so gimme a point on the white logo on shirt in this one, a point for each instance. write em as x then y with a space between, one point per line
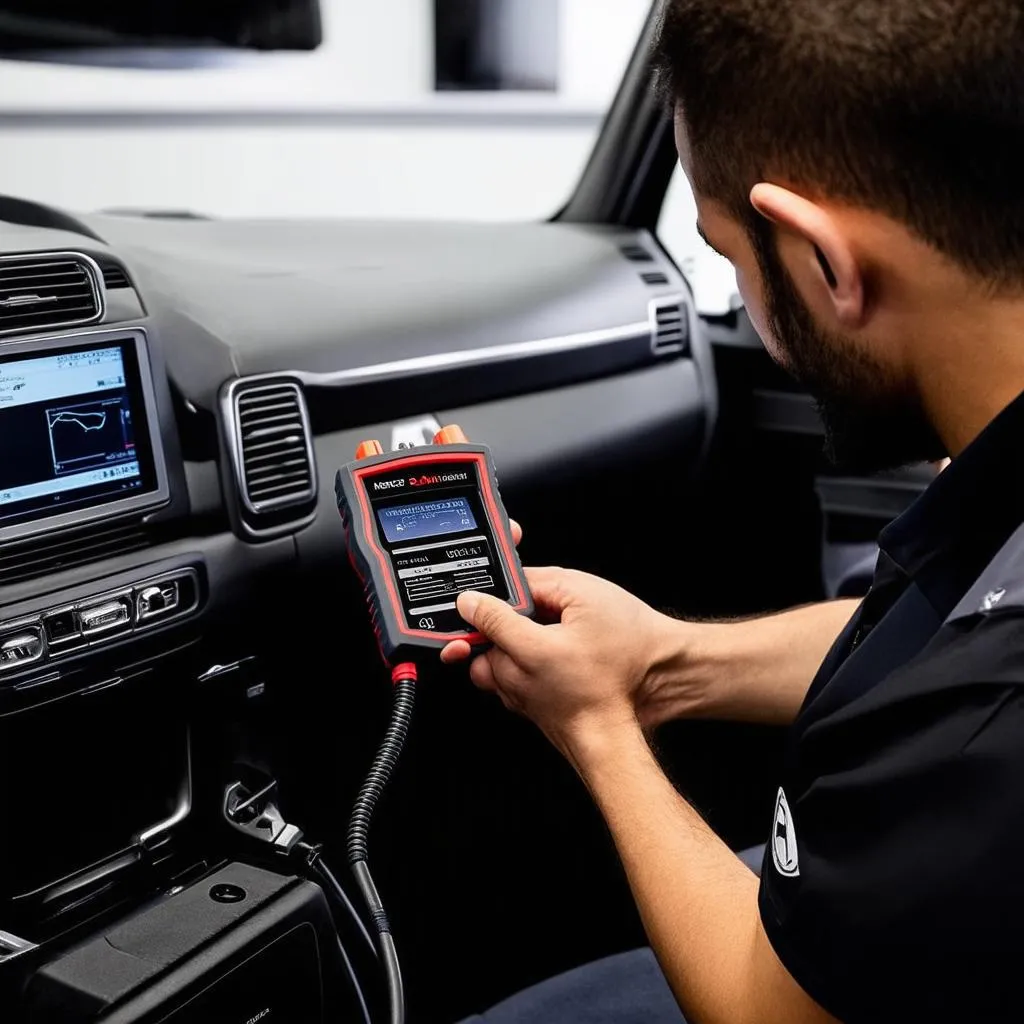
787 862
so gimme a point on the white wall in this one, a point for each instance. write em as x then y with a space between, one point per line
528 35
376 59
353 129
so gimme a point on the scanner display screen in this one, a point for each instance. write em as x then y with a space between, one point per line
426 519
438 545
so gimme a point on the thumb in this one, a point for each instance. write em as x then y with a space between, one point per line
497 621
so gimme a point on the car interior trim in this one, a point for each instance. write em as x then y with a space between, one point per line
93 274
233 441
471 357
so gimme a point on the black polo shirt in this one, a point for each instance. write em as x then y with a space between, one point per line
893 884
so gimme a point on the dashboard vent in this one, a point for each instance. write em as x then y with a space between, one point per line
636 253
276 470
40 557
671 329
48 290
114 275
654 278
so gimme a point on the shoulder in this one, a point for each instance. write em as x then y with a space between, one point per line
999 590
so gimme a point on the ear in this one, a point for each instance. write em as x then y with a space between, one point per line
817 252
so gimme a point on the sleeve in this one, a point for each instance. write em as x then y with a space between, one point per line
893 881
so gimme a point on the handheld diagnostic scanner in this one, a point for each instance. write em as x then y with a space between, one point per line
423 525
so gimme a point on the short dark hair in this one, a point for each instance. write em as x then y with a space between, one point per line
912 108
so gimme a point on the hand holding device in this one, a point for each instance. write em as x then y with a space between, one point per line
584 672
424 525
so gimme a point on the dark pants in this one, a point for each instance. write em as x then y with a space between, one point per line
624 989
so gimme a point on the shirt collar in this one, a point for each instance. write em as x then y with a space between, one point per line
948 536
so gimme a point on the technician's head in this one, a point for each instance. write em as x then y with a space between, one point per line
861 163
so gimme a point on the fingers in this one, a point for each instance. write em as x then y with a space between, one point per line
552 590
498 622
456 651
517 532
481 672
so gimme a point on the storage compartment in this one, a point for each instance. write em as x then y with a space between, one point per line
243 944
89 771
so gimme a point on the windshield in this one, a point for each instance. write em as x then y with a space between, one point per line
441 109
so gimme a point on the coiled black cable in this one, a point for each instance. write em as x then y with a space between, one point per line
404 679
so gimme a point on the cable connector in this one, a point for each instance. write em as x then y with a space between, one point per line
404 673
257 816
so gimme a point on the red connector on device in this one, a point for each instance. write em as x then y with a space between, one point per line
404 673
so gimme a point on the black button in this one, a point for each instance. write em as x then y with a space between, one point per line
60 626
224 892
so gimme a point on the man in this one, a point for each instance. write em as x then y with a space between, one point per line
859 161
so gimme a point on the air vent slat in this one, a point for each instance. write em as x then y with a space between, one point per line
33 559
273 457
636 253
264 424
276 468
61 291
267 409
29 266
654 277
286 441
671 333
294 469
40 291
114 275
9 282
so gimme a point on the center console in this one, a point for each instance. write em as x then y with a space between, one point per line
130 684
96 656
241 945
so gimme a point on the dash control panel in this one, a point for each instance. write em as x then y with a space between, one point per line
72 628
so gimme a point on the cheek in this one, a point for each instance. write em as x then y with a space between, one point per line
753 301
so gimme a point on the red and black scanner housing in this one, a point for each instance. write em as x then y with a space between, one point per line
423 525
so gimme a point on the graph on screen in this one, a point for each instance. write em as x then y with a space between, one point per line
89 435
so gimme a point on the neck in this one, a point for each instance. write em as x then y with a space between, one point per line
974 371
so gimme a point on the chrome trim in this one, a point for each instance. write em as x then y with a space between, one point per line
233 440
653 306
9 631
12 946
472 357
121 602
181 611
157 833
218 670
82 641
411 367
39 345
92 272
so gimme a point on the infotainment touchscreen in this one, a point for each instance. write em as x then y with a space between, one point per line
74 431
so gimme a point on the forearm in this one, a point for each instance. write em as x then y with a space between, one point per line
697 900
758 670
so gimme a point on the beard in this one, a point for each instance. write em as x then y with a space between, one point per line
872 422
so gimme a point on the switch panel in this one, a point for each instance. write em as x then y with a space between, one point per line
20 648
106 617
157 600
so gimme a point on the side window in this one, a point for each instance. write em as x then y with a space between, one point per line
712 278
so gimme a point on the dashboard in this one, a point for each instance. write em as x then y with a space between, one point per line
176 395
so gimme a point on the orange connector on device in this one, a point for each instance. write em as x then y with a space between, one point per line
453 434
367 449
